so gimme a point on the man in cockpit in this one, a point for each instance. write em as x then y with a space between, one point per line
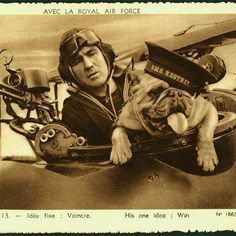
87 65
96 82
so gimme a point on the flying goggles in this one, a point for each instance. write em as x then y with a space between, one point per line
73 44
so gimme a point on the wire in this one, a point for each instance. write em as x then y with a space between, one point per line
194 25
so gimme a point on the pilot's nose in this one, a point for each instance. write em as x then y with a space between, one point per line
87 63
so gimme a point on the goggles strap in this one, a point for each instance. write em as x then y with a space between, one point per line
109 93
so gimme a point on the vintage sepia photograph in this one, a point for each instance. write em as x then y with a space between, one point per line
118 111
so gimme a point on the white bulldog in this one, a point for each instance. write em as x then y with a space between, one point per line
155 107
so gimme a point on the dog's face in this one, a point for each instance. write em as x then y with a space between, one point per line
171 101
155 105
169 111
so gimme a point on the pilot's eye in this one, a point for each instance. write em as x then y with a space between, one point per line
90 53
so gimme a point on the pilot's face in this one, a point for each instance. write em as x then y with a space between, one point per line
90 67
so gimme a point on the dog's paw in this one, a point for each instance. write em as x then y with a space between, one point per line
121 152
206 156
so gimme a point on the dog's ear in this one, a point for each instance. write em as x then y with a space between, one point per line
178 122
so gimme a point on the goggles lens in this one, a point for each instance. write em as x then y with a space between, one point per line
72 45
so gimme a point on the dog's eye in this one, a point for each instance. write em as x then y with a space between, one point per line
171 93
